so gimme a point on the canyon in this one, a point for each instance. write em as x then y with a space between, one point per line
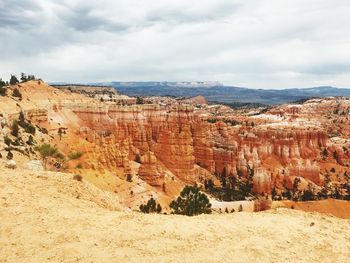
155 148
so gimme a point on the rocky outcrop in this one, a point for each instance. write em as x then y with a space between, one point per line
179 139
184 141
261 181
150 170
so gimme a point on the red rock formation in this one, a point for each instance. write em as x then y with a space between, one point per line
178 138
261 181
150 171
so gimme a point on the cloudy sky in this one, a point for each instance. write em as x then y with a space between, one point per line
250 43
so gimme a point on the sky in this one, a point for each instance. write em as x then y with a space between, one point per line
248 43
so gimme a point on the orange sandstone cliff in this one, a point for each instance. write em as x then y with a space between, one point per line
156 149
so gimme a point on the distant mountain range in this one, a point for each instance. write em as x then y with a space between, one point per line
215 91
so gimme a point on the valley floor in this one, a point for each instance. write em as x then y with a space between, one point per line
49 217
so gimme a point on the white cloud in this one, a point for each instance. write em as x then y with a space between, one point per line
253 43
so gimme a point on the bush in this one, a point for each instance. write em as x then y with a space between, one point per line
17 94
2 91
191 202
2 83
46 151
7 141
13 80
75 155
30 128
151 207
44 130
30 140
14 128
139 100
9 156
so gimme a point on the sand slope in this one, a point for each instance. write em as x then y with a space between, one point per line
42 220
338 208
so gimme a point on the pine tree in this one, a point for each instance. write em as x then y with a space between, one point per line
13 80
191 202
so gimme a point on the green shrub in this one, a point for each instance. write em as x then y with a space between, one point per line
30 128
3 91
46 151
14 129
13 80
30 140
139 100
151 207
7 141
16 93
191 202
75 155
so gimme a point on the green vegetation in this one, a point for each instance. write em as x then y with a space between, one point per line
9 155
2 89
46 151
14 128
139 100
75 155
7 140
232 188
13 80
27 126
25 78
191 202
17 94
151 207
30 140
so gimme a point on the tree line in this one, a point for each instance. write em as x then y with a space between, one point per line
13 81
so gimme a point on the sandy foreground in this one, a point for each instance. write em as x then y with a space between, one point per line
49 217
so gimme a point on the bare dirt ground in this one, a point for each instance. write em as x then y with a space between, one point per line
49 217
338 208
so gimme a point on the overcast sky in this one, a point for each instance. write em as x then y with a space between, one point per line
249 43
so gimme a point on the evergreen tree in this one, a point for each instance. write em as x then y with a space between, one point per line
13 80
139 100
151 207
2 89
191 202
23 77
